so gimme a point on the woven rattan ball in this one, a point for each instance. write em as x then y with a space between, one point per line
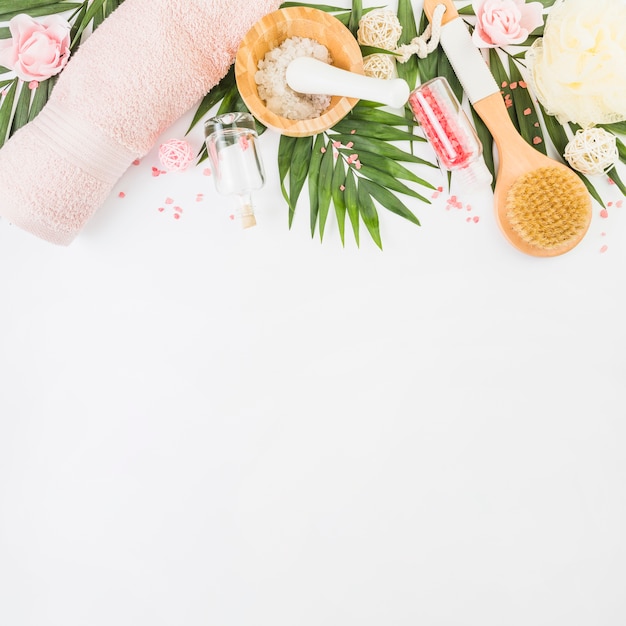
175 155
592 151
380 28
379 66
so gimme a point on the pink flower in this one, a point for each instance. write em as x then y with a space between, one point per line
36 50
505 22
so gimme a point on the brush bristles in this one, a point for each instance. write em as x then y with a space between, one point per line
548 207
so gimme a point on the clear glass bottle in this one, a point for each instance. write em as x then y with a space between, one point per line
232 144
448 130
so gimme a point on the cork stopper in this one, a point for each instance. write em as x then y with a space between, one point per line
246 212
247 221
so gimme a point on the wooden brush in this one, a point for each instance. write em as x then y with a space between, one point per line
542 207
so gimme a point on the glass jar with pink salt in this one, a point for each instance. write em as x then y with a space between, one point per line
448 130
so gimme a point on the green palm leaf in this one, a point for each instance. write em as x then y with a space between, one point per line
556 132
322 7
325 187
286 147
24 6
355 16
614 176
314 179
388 200
20 115
525 111
368 50
337 190
428 66
408 70
389 181
591 189
391 167
378 146
361 128
34 8
373 115
298 171
617 127
368 213
88 17
502 79
444 68
484 135
6 111
352 203
39 100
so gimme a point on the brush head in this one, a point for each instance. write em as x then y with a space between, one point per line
549 209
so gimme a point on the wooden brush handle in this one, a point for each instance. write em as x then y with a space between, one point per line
466 60
450 14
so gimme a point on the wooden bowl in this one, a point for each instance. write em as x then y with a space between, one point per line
270 32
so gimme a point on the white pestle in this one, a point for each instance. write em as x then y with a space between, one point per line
308 75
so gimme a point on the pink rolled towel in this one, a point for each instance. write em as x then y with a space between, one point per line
146 65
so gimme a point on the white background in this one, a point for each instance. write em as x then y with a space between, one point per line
206 426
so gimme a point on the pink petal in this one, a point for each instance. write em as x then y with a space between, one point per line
23 26
481 40
7 54
532 16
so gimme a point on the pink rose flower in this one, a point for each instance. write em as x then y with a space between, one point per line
36 50
505 22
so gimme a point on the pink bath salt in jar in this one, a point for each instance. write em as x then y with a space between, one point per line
448 130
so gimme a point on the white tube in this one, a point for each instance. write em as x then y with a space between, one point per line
467 61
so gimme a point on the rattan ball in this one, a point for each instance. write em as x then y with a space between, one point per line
379 66
380 28
592 151
175 155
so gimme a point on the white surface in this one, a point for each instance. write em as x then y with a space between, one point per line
206 426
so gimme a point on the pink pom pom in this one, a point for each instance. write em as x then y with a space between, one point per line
175 154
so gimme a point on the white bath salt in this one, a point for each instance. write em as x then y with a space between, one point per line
272 82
